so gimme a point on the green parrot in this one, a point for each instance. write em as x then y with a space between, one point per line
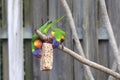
58 36
44 29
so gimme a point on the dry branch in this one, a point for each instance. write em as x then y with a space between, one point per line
114 67
108 26
75 36
84 60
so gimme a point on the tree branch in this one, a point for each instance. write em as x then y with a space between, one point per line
84 60
114 67
110 32
75 36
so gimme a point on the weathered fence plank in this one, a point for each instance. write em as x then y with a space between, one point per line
28 60
103 59
26 13
5 59
77 11
0 41
15 40
5 75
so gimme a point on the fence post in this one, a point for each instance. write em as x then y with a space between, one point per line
15 39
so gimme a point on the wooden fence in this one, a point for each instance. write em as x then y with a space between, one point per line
92 34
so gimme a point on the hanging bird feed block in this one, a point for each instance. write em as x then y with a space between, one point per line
46 61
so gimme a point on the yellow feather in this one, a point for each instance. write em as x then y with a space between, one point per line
53 34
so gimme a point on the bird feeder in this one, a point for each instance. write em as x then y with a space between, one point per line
46 61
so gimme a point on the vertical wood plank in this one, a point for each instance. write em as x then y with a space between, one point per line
28 64
52 9
28 60
103 59
78 18
5 59
39 12
0 60
4 13
4 42
0 41
97 51
36 13
0 13
86 32
78 68
92 32
26 13
15 40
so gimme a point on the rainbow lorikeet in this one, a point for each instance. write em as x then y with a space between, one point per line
36 42
58 36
